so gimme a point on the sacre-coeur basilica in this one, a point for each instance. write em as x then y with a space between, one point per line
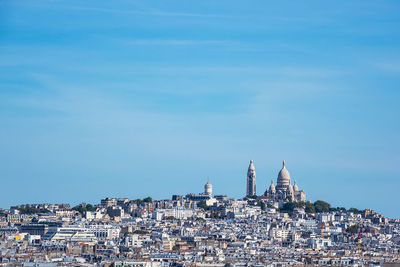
282 192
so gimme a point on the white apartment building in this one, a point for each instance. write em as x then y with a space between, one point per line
176 212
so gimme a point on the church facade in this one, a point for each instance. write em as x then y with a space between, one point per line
284 190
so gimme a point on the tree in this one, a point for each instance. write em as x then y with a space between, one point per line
89 207
300 204
287 207
140 232
338 209
147 199
261 204
83 208
352 229
203 205
79 209
354 210
138 201
309 207
29 210
322 206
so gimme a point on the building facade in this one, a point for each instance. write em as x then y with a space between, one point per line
284 190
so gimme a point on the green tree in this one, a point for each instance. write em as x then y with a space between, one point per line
138 201
354 210
140 232
300 204
78 208
147 199
287 207
309 207
352 229
322 206
29 210
203 205
338 209
261 204
83 208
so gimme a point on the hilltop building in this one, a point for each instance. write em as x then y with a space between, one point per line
251 180
205 196
284 189
208 189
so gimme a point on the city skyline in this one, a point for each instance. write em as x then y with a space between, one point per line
149 99
283 180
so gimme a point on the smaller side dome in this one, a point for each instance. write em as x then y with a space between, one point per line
290 188
272 187
295 187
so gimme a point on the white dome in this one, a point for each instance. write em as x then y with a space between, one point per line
208 189
295 187
283 177
272 187
290 189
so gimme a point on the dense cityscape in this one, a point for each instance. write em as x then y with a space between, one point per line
280 227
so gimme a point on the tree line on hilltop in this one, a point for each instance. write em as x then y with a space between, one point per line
316 207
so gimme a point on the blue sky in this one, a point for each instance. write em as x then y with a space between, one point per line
138 98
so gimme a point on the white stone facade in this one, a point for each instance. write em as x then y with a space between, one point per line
284 189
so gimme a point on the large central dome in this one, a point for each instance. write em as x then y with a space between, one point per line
283 177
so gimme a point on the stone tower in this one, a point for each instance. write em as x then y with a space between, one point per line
251 180
208 189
